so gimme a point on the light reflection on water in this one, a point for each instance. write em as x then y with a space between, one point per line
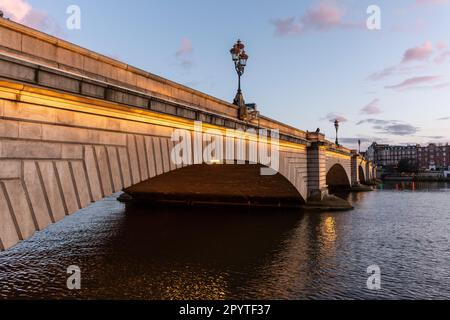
172 253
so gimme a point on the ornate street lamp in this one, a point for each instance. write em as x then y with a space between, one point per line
336 126
239 57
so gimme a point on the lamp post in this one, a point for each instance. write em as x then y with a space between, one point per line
239 57
336 126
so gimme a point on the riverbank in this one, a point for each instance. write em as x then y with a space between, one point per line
415 179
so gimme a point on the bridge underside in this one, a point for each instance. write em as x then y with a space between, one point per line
219 184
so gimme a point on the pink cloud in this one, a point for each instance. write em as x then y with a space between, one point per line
333 116
185 47
441 45
324 16
414 82
418 53
372 107
432 2
184 52
441 58
287 26
22 12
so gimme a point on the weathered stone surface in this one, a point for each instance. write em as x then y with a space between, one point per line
92 173
81 184
30 150
16 71
10 169
150 156
103 166
142 157
133 156
67 186
165 154
30 130
37 195
9 129
158 155
20 208
115 168
10 39
72 151
29 112
52 189
8 232
125 168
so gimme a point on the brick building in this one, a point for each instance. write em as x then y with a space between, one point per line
432 156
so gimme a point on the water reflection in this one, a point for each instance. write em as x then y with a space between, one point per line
143 252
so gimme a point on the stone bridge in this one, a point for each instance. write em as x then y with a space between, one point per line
77 126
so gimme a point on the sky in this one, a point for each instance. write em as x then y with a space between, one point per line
310 61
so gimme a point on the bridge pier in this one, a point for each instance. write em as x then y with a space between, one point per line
318 196
360 174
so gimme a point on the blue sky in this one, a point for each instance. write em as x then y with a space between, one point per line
310 61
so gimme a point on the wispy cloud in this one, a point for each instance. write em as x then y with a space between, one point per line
444 118
413 83
372 107
419 53
392 127
432 2
22 12
321 17
184 53
333 116
287 26
442 57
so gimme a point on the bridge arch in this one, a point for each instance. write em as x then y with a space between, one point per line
64 177
235 183
361 174
337 177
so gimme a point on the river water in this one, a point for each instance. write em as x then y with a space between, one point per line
138 252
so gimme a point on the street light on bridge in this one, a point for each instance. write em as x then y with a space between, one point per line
336 126
240 57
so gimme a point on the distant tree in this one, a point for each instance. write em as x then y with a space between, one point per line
407 165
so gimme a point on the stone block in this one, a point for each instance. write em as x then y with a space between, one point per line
81 184
17 71
69 58
10 39
142 157
103 167
133 156
92 173
8 232
9 129
150 156
125 168
115 168
20 208
55 81
67 186
72 151
30 130
158 155
30 150
38 48
29 112
51 186
36 194
10 169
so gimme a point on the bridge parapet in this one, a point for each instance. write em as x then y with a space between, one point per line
30 45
